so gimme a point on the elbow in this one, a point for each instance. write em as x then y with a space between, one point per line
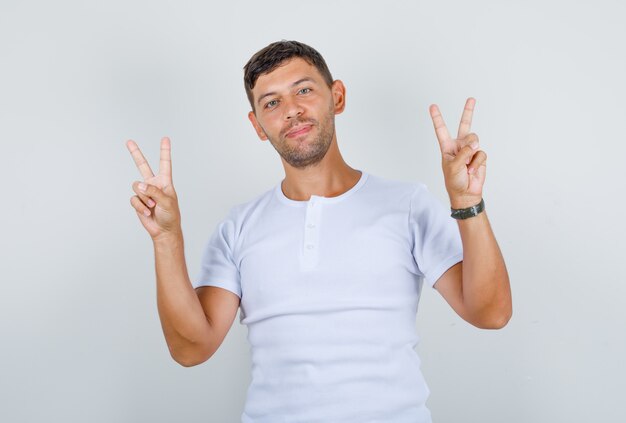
189 358
496 320
188 362
495 315
498 323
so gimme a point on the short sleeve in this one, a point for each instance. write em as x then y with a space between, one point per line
218 266
437 244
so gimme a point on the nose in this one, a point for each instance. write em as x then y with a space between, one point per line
292 109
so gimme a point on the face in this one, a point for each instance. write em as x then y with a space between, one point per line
295 110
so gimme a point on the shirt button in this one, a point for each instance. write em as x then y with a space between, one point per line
310 225
310 246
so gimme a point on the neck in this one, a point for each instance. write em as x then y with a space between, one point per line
329 177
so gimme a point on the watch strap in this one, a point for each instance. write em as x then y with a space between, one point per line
468 212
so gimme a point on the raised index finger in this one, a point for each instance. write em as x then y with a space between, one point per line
140 160
445 142
466 118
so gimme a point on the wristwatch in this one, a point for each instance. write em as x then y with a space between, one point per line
468 212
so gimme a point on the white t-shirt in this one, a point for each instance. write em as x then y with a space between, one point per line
329 290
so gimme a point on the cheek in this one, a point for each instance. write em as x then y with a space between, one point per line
316 102
270 125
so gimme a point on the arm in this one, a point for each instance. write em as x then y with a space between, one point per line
194 322
477 288
186 328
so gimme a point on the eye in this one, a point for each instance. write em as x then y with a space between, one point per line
304 90
271 104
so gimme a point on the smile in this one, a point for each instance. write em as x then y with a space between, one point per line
301 131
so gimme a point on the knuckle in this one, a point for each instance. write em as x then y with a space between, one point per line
137 190
148 188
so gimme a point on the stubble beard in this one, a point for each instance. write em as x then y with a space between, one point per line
302 154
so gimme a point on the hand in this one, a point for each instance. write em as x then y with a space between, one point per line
464 165
157 206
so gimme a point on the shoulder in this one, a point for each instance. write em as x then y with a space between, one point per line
238 217
393 188
240 212
414 196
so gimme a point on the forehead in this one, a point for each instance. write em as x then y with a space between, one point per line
286 74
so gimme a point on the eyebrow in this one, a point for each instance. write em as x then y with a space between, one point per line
299 81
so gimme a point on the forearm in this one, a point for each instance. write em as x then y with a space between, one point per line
486 288
185 326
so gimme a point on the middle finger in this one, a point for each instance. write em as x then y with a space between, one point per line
466 118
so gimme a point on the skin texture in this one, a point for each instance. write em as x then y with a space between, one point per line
299 96
303 151
477 288
194 322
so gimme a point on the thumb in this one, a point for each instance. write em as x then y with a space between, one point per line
152 191
464 156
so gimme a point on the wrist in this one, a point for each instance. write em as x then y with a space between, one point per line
467 212
464 202
168 238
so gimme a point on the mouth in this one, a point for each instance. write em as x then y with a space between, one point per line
298 131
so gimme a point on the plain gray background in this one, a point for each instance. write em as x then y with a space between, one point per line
81 337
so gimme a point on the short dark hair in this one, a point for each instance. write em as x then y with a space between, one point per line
272 56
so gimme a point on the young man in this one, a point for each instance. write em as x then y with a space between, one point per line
328 265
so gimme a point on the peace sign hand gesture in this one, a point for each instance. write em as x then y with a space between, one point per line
464 166
157 204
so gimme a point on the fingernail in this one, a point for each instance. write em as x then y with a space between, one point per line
474 144
146 212
151 203
471 170
142 186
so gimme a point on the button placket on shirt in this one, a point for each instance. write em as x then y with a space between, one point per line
311 233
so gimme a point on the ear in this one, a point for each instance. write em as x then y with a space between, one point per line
257 127
339 96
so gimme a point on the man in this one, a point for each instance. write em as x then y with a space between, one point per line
328 265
